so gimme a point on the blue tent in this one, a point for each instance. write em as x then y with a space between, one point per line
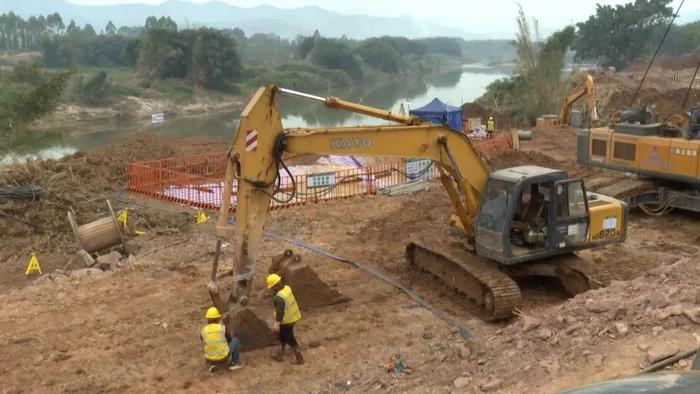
440 113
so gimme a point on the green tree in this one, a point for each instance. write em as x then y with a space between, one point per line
336 55
620 34
380 54
682 40
215 62
164 54
23 101
93 91
72 27
537 88
110 29
305 46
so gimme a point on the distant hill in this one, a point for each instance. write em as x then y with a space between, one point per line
262 19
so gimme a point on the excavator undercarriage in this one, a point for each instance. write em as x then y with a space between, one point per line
492 287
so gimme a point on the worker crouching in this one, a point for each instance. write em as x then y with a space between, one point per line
286 315
220 347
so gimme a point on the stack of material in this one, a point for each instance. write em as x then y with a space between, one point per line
406 188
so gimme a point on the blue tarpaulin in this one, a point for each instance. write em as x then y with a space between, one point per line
440 113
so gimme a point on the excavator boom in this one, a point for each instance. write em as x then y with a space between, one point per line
587 87
257 149
256 160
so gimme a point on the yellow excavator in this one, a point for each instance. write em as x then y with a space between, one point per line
585 88
665 157
517 221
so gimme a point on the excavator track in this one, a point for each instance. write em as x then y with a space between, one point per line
495 293
578 275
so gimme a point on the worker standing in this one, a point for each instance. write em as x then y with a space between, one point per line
286 314
490 127
220 347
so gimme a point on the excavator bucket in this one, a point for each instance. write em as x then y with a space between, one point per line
309 290
253 332
246 324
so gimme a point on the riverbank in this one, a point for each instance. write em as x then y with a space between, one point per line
132 110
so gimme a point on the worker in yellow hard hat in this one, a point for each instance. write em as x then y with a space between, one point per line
220 347
490 127
286 315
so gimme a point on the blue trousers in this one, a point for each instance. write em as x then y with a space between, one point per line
234 354
234 351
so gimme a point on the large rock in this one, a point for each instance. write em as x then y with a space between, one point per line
462 382
530 323
693 314
656 354
598 306
109 261
492 385
86 273
658 299
621 328
86 258
595 359
673 310
59 278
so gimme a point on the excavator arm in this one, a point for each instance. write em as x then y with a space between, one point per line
255 160
587 87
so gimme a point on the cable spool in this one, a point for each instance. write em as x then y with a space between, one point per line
99 234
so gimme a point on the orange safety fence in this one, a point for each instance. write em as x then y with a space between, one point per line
197 181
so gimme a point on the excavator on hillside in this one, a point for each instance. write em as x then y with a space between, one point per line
524 220
585 88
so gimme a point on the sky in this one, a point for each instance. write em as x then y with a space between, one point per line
470 15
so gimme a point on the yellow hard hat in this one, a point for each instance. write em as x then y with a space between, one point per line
213 313
272 280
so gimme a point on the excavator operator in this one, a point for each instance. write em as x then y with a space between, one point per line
532 214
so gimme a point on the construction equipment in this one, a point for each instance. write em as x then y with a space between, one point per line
666 382
587 88
513 220
664 155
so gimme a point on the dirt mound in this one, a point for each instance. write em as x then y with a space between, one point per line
522 158
667 63
81 183
583 330
664 103
475 110
20 57
82 180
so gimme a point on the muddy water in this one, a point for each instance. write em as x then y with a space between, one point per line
454 87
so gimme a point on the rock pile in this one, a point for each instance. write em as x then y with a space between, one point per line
100 267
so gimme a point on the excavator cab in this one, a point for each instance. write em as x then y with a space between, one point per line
531 212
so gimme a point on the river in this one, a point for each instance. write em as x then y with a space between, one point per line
454 87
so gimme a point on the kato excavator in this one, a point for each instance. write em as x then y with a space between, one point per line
524 220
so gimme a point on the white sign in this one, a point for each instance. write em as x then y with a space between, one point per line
610 223
157 118
320 180
418 169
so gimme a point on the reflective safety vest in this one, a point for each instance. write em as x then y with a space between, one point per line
490 125
292 314
215 345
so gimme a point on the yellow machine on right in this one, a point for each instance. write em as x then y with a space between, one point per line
664 155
